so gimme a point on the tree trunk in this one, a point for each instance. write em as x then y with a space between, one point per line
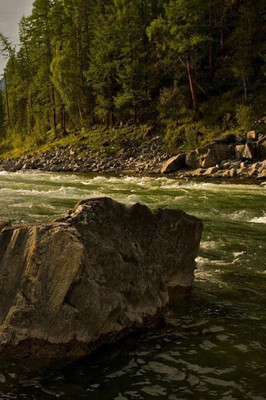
92 118
7 102
80 115
210 60
245 90
192 90
49 60
107 120
211 43
54 109
63 120
111 119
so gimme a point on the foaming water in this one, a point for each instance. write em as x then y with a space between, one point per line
259 220
214 343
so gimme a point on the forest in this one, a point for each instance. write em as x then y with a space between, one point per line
187 69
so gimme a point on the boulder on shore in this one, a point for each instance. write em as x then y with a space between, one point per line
222 153
246 151
214 153
262 149
70 285
174 164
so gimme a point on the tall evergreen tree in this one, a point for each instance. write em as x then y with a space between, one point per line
245 42
183 32
102 75
40 43
133 18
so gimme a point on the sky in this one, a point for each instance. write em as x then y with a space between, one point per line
11 12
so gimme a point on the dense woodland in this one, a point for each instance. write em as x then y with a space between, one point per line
187 68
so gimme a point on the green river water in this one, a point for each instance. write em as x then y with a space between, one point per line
215 348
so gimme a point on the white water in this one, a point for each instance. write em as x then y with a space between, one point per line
216 345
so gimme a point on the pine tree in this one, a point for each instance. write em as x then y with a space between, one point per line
133 72
183 33
41 55
71 59
245 41
2 116
102 75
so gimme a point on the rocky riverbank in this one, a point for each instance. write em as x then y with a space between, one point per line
86 279
132 158
230 156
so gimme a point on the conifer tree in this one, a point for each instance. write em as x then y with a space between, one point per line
133 73
102 75
41 52
183 32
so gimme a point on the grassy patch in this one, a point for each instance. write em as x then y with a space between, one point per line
98 141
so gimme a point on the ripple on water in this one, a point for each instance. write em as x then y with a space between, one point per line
206 245
215 346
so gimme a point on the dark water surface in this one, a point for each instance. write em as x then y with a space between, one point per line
215 344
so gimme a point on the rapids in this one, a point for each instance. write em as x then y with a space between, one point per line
215 348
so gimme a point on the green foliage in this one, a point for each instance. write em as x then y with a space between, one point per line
100 141
245 117
104 60
133 19
181 137
172 106
2 114
188 136
178 65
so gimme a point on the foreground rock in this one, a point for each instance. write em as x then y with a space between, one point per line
86 279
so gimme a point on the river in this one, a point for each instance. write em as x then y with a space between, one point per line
215 348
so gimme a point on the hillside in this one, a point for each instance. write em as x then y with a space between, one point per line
188 70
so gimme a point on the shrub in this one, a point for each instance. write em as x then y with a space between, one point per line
245 117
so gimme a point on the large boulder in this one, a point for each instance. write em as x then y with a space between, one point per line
246 151
261 149
252 136
192 159
174 164
227 139
214 153
70 285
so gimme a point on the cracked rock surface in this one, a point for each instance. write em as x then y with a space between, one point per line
70 285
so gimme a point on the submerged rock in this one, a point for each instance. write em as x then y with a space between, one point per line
70 285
